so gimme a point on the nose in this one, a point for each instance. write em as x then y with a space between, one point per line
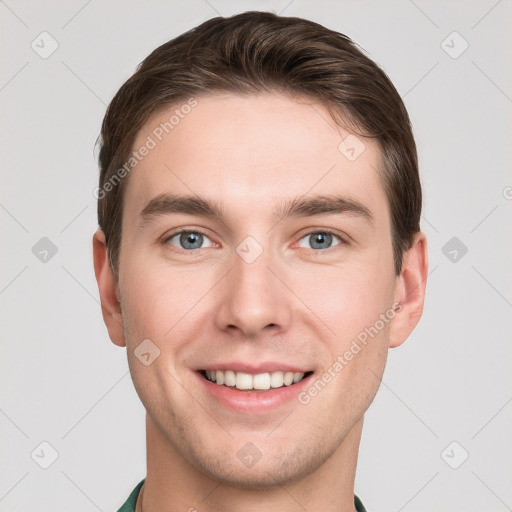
253 298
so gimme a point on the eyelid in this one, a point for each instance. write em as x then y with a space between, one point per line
344 239
179 231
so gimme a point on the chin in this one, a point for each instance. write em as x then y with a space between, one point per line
266 477
269 472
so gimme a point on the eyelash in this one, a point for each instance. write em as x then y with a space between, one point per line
343 241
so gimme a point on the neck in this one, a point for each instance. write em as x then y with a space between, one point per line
174 484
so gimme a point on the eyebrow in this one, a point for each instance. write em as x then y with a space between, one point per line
166 204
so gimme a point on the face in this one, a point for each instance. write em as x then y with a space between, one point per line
281 279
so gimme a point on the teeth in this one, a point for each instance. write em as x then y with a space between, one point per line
229 378
246 381
276 379
243 381
288 378
260 381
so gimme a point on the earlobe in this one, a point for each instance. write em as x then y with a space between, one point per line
410 291
108 289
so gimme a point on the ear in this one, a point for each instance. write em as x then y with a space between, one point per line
410 291
109 291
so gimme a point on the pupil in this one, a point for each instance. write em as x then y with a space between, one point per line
189 239
321 238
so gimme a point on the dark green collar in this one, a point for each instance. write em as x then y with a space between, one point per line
129 505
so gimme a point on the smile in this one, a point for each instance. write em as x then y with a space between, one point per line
253 382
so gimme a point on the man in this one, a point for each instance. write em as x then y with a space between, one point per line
259 251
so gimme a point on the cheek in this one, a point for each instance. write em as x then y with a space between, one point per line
164 305
351 303
155 296
355 349
157 309
347 299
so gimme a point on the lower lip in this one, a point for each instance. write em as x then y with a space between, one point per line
253 402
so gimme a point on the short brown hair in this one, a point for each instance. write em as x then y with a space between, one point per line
257 52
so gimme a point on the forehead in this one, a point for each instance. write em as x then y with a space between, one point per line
251 153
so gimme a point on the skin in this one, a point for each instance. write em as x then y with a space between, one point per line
292 304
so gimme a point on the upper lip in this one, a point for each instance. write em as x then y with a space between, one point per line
266 367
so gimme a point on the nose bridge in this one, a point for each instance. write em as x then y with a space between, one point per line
253 298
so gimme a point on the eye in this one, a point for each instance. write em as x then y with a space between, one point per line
188 240
320 240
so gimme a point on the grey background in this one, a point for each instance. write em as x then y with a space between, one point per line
63 382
